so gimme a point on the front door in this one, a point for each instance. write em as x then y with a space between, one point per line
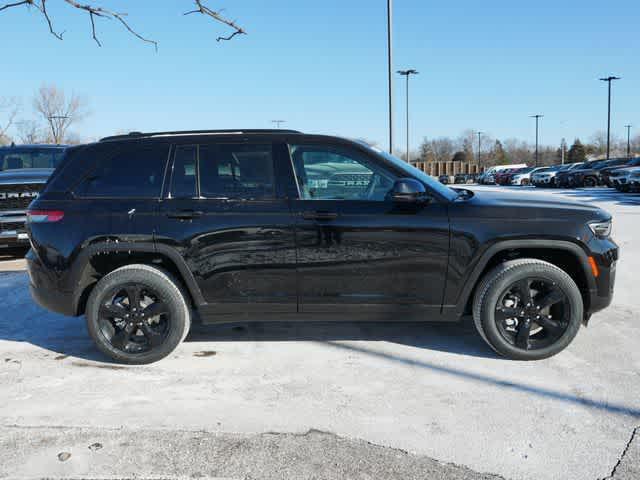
358 252
225 216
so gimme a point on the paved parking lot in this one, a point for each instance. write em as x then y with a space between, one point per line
325 400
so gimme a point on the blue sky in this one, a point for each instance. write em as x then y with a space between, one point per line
322 66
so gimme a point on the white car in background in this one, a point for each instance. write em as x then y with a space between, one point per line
489 175
523 176
547 177
626 179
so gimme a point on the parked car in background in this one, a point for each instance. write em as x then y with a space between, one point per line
503 177
589 176
522 177
625 179
488 177
24 170
547 177
145 233
605 173
465 178
444 179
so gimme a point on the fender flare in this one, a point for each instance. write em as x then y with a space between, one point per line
83 272
505 245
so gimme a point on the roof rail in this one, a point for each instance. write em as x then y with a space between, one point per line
133 135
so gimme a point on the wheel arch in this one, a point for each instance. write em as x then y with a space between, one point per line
101 258
566 255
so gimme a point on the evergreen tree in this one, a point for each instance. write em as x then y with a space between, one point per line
577 152
499 155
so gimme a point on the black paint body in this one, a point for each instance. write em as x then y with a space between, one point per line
290 258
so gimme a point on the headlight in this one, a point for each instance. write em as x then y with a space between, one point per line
601 229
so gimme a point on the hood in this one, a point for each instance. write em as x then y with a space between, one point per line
25 175
531 206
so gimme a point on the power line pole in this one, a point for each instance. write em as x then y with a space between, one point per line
278 122
609 80
390 69
628 127
407 74
537 117
479 146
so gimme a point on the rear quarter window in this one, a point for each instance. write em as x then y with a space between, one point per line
130 172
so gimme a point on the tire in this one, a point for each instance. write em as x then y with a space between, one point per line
487 303
159 339
524 182
590 182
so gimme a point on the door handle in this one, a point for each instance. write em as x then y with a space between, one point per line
185 214
319 215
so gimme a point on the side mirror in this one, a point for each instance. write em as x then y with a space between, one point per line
409 190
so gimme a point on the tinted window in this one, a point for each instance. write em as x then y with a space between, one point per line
12 159
134 172
242 171
334 173
183 176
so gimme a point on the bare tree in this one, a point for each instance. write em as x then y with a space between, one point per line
30 132
9 108
58 112
94 12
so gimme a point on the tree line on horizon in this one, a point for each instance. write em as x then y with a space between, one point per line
464 148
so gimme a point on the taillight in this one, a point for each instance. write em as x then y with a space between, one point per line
44 216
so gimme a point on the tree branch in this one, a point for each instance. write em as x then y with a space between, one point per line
95 11
217 16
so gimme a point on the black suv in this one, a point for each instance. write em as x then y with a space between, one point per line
145 233
24 170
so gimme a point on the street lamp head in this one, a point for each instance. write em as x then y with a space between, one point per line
536 116
610 78
408 72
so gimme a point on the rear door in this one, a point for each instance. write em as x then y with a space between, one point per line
224 213
358 252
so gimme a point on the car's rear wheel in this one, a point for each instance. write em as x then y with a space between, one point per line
590 182
527 309
137 314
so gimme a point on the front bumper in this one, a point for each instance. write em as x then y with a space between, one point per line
12 229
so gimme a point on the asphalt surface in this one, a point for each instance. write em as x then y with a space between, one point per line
325 400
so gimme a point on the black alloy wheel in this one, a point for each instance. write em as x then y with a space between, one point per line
527 309
134 319
532 313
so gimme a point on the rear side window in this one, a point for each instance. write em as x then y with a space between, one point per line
230 171
135 172
242 171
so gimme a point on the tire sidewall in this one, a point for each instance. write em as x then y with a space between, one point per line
161 283
538 270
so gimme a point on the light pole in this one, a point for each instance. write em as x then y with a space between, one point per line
628 127
537 117
407 74
609 80
278 122
390 69
479 145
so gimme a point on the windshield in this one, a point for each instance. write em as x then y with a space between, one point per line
13 159
413 172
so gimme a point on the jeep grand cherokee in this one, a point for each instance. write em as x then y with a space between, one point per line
145 232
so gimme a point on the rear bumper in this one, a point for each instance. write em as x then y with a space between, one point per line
43 290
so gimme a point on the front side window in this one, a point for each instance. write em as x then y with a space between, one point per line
133 173
334 173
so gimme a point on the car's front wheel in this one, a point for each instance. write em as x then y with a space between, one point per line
527 309
137 314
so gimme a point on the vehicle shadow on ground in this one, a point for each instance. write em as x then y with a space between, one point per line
459 338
